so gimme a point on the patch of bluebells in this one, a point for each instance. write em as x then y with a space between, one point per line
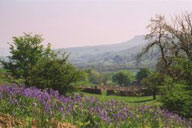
83 112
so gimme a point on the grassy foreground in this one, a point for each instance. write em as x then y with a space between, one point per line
45 108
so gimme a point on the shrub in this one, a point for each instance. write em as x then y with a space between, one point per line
56 73
93 76
143 73
181 70
153 82
123 78
177 98
177 94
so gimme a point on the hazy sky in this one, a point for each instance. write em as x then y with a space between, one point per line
69 23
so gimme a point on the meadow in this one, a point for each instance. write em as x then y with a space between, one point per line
129 100
47 108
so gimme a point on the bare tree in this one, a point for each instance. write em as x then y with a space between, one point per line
171 39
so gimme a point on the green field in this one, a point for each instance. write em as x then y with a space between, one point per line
132 101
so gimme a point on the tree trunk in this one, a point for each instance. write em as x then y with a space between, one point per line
154 95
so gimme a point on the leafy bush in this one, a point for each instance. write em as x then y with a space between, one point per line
123 78
154 82
54 72
177 94
176 98
181 70
143 73
93 76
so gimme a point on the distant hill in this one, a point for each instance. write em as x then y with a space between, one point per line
109 57
105 58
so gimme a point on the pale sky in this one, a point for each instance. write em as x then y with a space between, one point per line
71 23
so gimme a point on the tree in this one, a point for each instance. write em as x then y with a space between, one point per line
93 76
55 72
153 82
123 78
173 42
84 76
182 70
143 73
169 39
177 94
26 52
104 77
40 66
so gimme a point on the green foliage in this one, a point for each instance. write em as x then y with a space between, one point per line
26 52
83 80
54 72
143 73
174 59
84 76
177 98
82 83
3 78
39 66
154 81
104 78
177 94
110 83
93 76
182 70
123 78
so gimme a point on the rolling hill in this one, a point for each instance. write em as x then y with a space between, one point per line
109 57
105 58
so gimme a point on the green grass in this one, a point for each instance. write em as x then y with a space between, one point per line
132 101
3 70
3 79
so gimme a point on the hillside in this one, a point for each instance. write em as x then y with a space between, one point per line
109 57
105 58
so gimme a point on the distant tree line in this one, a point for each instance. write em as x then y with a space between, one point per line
120 78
